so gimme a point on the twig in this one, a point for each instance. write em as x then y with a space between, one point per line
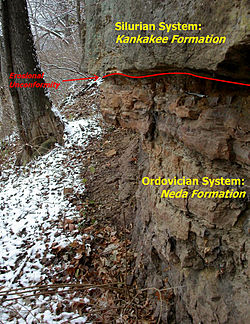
47 293
63 68
60 285
102 310
160 295
29 311
44 292
140 291
20 268
13 309
51 32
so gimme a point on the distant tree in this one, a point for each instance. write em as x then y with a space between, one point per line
38 126
56 20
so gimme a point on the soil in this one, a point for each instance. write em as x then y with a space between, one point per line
109 165
105 260
110 174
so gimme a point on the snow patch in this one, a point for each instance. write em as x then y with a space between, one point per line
32 206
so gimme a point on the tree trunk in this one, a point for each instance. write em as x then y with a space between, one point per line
82 34
36 122
78 16
7 119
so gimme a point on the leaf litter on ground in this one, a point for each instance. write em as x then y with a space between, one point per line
34 211
67 264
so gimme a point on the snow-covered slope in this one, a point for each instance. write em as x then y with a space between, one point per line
32 207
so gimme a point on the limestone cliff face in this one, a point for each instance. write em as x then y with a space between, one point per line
217 17
189 127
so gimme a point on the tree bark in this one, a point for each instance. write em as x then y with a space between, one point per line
78 16
35 120
7 119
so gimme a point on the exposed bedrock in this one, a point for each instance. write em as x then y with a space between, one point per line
192 128
199 245
216 17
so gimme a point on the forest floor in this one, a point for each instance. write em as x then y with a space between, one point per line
65 253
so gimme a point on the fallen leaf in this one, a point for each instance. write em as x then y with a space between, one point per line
71 227
111 153
110 248
68 191
68 221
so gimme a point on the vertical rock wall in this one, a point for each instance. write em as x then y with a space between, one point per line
199 246
192 128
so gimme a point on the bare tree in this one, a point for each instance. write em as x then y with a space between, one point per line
56 19
38 126
59 32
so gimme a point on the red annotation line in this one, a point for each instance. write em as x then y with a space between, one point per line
167 73
159 74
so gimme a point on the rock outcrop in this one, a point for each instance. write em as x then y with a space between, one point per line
220 18
189 127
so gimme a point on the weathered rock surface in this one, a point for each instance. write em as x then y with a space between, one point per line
220 18
192 128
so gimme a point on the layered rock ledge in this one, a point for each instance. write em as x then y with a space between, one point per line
189 127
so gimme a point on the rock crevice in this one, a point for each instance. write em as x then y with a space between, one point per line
189 127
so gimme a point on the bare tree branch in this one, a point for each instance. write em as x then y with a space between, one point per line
54 66
50 31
